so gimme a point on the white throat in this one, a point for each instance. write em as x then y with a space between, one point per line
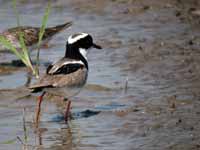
83 52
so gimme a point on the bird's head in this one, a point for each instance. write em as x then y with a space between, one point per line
81 42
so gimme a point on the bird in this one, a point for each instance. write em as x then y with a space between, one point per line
68 75
31 35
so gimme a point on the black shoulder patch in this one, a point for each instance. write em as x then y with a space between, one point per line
67 69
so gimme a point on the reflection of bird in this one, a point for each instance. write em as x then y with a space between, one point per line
68 75
31 35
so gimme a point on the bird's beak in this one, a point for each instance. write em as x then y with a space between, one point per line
96 46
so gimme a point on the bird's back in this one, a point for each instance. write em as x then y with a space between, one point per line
66 73
31 34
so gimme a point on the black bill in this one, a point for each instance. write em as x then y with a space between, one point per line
97 46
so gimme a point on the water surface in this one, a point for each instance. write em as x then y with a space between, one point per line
144 83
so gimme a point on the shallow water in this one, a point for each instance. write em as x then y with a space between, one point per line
143 86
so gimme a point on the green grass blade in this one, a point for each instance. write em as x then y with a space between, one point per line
25 53
26 60
16 12
8 45
41 33
44 23
23 45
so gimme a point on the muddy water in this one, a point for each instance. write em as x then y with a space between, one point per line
143 87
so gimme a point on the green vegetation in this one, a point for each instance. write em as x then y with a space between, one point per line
23 54
42 30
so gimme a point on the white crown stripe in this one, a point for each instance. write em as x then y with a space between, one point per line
73 40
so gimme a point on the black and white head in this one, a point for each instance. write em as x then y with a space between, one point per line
78 44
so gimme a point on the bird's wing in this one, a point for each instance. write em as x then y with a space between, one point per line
31 34
64 66
61 73
49 32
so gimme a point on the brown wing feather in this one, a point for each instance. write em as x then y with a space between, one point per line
53 30
73 79
31 34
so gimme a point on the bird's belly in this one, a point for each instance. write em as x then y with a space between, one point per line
66 92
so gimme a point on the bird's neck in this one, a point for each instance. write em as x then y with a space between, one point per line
73 52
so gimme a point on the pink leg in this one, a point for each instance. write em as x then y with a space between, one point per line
67 112
38 109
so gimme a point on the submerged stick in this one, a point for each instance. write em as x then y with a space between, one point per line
126 85
24 126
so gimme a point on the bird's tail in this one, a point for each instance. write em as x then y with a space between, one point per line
61 26
58 28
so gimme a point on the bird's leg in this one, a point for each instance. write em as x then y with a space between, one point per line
67 111
38 109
